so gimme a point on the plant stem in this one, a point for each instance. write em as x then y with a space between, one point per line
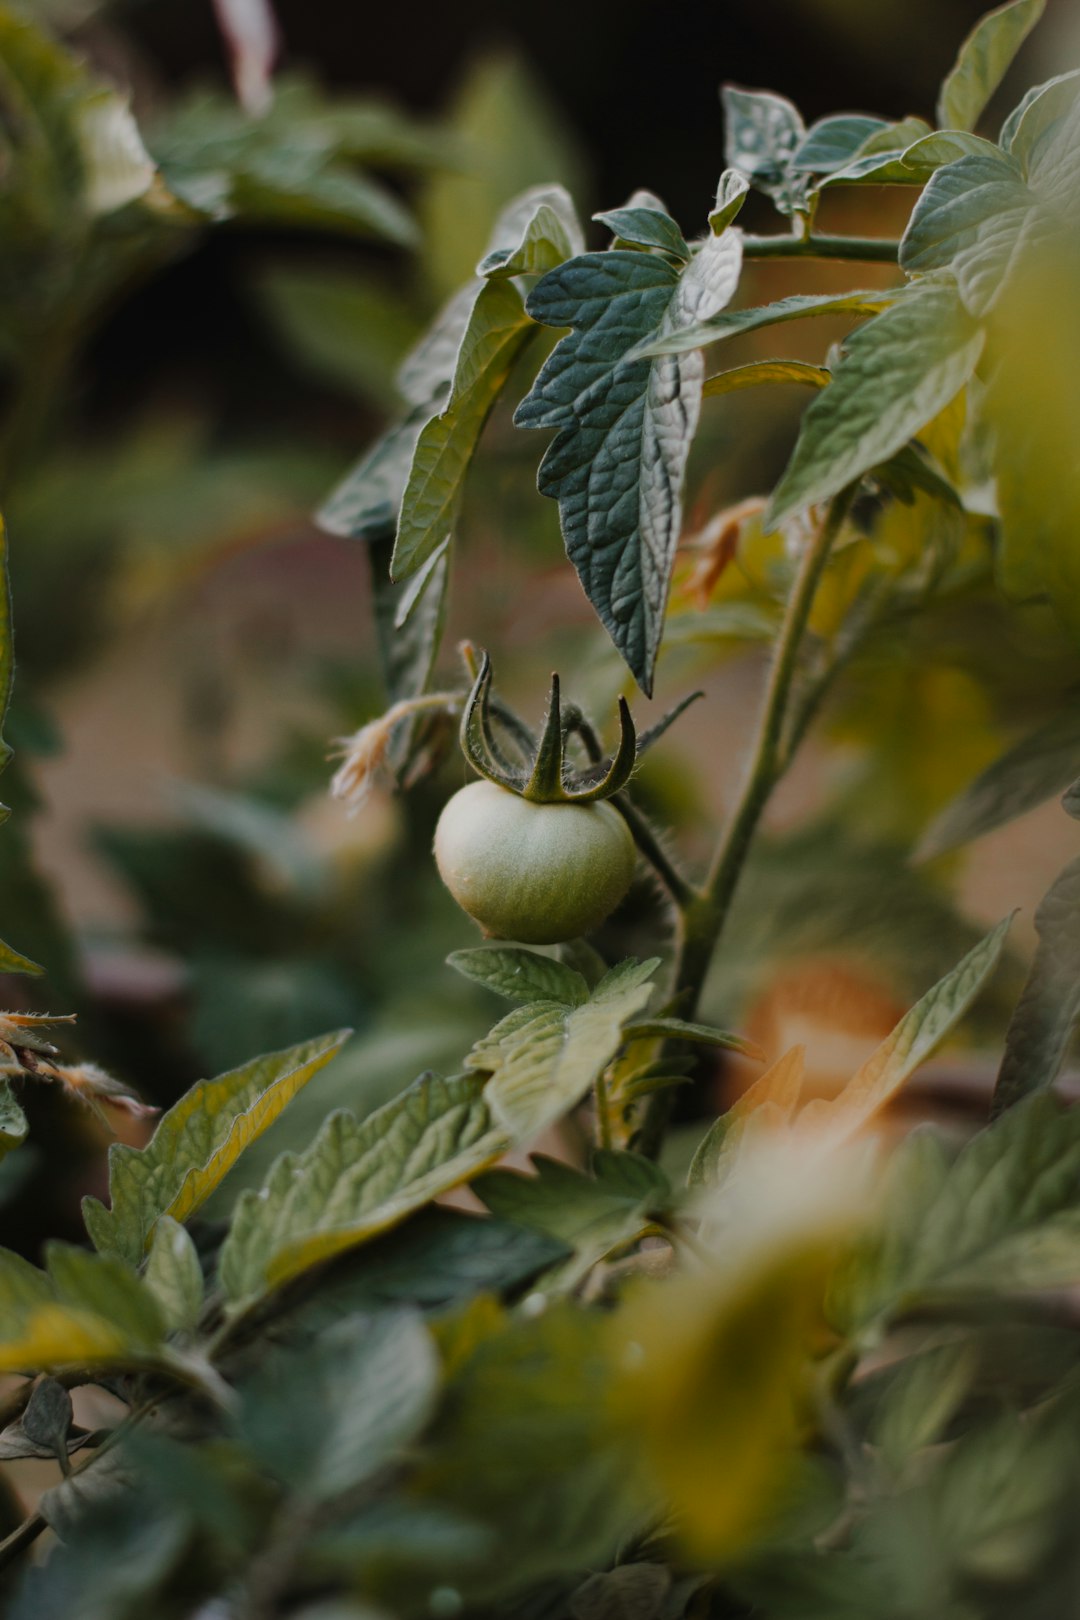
704 919
869 249
654 852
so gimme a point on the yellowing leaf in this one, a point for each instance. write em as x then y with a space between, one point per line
715 1365
196 1144
86 1308
54 1336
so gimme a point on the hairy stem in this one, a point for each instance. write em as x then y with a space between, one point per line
704 918
869 249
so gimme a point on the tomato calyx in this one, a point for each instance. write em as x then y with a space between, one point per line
538 769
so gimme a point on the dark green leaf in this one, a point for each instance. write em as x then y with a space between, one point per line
593 1214
832 142
625 425
1043 763
645 228
983 61
1046 1016
521 975
894 375
325 1419
438 1260
365 505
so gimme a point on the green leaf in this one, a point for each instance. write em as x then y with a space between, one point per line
983 61
918 1034
524 1443
358 1179
13 1126
541 230
543 1058
765 371
833 142
973 219
493 339
85 1309
323 1420
364 506
593 1214
731 193
1002 1215
174 1276
487 330
1043 763
12 962
1041 1030
521 975
625 425
196 1144
944 146
439 1259
879 161
677 1029
645 228
1034 117
107 1287
895 374
799 306
921 1400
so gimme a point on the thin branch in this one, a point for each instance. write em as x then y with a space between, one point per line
868 249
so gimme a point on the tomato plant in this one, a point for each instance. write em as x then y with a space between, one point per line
537 1336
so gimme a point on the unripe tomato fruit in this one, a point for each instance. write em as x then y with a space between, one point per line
540 873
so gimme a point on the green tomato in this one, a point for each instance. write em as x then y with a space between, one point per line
539 873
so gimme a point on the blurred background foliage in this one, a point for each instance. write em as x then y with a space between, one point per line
186 369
